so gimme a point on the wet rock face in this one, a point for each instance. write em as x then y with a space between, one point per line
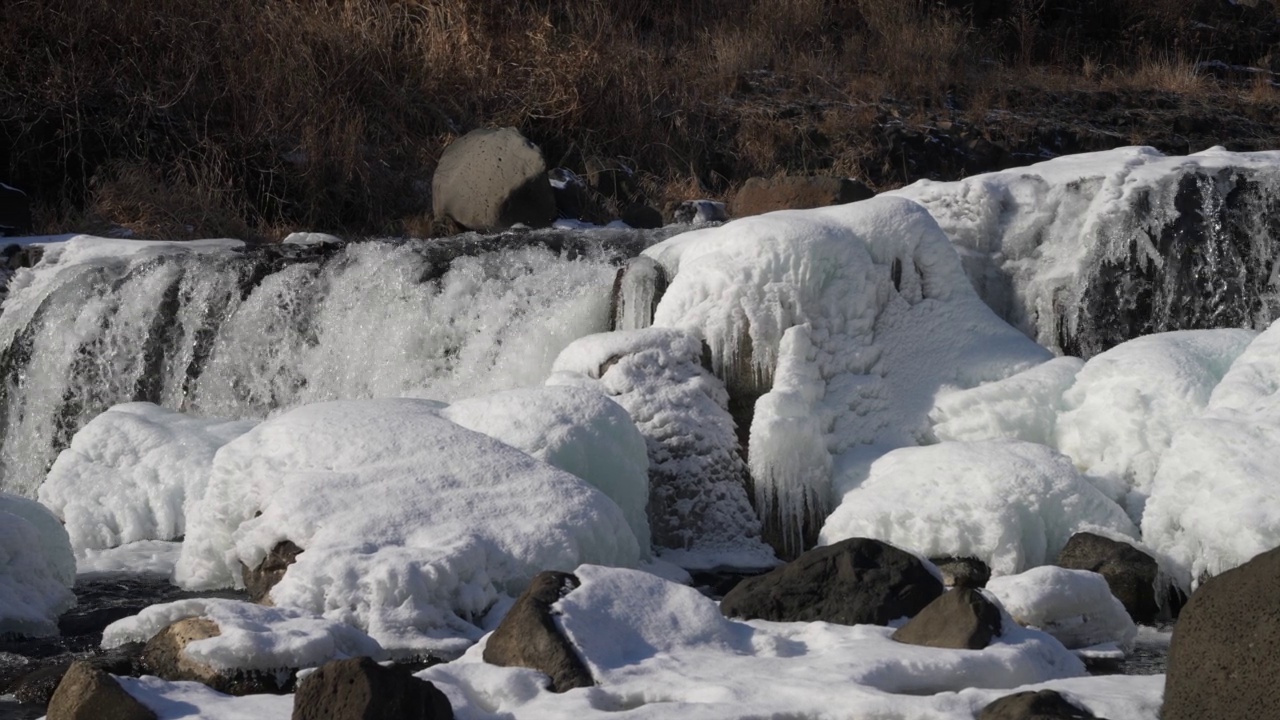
528 635
361 689
1216 259
853 582
1222 660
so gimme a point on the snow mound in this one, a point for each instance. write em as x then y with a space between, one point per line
1075 606
888 319
1215 499
1021 407
658 649
1127 403
252 637
1011 504
698 506
37 568
411 526
134 473
576 429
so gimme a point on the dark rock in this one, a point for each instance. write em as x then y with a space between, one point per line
570 193
1222 660
37 687
15 211
528 636
361 689
493 179
637 289
87 693
1034 705
691 211
855 581
164 656
962 572
760 195
20 256
1130 573
641 216
259 581
612 180
963 619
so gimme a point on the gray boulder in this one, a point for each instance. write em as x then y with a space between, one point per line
962 572
855 581
1034 705
88 693
493 179
1131 574
361 689
761 195
528 635
963 619
1222 660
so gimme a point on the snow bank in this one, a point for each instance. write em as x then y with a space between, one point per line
411 525
576 429
134 473
37 568
658 649
890 320
1126 404
1063 247
698 506
1215 499
1021 407
252 637
1075 606
1011 504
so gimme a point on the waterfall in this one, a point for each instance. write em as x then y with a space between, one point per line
242 332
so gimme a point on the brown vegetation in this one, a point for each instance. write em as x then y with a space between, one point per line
181 117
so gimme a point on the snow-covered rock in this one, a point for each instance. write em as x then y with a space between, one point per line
862 311
698 506
1075 606
1013 505
133 473
37 568
1021 407
411 526
576 429
1085 251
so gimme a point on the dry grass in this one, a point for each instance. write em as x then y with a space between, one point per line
164 114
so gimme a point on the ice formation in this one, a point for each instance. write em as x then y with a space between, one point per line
1024 406
251 637
1085 251
698 506
411 526
37 568
1011 504
886 319
134 473
1074 606
578 430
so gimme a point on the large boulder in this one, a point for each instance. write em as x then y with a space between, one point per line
15 211
491 180
529 637
1034 705
853 582
1131 574
361 689
761 195
164 656
38 686
1223 661
89 693
963 619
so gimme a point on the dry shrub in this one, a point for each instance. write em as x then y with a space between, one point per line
1166 73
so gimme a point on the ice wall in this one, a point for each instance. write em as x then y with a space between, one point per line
1086 251
219 329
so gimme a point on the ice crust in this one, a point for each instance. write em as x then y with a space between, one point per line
576 429
1074 606
251 637
1011 504
134 473
411 526
698 506
1030 236
37 568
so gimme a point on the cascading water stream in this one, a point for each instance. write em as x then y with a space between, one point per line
241 333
